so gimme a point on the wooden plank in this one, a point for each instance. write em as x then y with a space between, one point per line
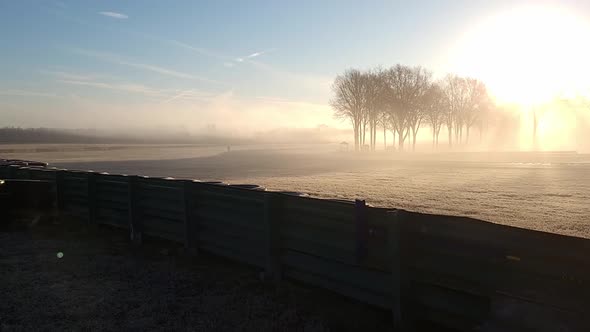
151 184
234 230
227 193
105 213
529 255
322 209
320 222
358 294
318 249
112 188
468 307
495 235
237 207
355 276
171 231
80 212
72 200
233 240
43 174
156 212
75 187
161 197
237 255
205 187
163 235
113 219
231 217
113 200
332 239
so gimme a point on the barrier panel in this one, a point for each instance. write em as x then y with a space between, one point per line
112 200
160 208
73 192
230 221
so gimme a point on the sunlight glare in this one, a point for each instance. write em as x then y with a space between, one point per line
528 55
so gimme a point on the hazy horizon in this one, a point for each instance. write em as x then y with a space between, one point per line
255 67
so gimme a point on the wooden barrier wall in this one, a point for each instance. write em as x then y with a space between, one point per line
458 272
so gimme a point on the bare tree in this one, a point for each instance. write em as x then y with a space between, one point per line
384 122
435 108
349 101
402 98
478 102
421 80
371 89
404 87
454 89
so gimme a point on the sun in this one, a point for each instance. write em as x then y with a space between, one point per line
528 55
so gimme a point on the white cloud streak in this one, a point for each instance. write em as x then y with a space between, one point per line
116 15
89 80
250 56
124 87
229 61
69 76
27 93
199 50
116 59
255 54
189 94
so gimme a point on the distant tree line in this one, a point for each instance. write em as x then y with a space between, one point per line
16 135
403 99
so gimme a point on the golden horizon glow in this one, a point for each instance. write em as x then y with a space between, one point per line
528 55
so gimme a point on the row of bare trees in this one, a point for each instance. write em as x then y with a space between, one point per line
403 99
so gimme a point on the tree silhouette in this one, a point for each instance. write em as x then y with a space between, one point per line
435 108
349 101
403 98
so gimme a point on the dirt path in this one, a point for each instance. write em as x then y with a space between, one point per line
104 283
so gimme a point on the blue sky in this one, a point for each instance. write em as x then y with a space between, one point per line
190 63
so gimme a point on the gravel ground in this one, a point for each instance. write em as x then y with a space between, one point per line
104 283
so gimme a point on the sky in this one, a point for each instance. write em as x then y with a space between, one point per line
238 65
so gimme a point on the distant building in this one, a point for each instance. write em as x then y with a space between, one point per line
344 146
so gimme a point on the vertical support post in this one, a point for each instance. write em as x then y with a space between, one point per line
362 232
91 197
190 220
60 187
400 319
135 229
272 220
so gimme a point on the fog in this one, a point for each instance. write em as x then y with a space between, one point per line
563 125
